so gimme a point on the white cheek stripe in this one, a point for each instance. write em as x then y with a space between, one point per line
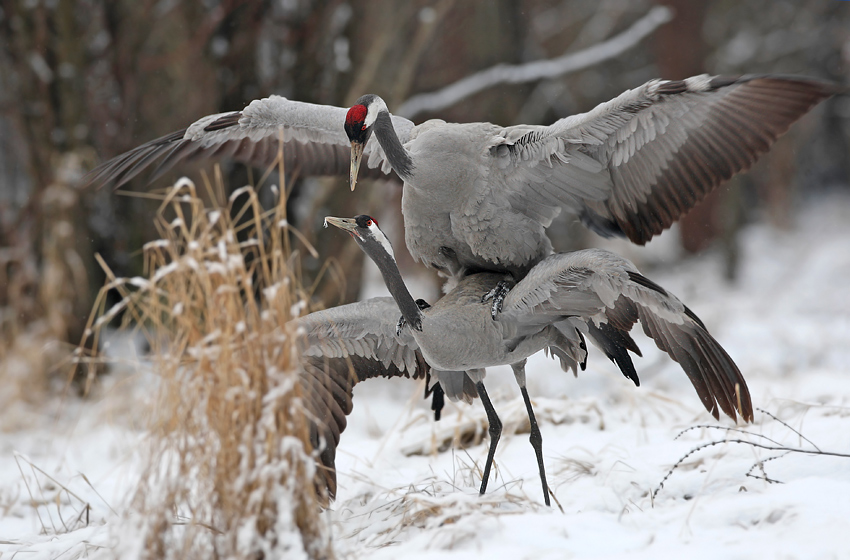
382 239
375 107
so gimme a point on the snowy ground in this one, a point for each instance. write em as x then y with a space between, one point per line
607 444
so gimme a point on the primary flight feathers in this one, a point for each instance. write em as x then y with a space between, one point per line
479 195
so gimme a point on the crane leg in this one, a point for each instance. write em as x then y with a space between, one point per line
536 438
437 395
494 429
438 401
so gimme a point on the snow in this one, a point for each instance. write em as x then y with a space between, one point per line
607 445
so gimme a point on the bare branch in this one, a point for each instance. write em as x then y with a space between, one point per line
782 448
789 427
514 74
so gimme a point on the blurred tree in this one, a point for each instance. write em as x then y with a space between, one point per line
82 74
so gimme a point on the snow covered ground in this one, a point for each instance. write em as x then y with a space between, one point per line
607 445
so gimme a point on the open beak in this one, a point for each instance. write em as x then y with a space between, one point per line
347 224
356 156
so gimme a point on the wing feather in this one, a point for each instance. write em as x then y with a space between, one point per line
315 142
604 290
341 347
658 149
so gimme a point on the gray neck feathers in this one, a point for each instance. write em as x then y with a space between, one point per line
398 157
395 284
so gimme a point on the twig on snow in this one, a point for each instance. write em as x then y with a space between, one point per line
810 442
750 443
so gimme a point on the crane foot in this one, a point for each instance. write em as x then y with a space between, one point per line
497 294
402 322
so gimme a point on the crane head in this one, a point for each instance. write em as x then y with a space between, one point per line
364 229
372 241
359 121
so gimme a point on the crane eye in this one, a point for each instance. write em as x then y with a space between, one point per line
363 127
369 223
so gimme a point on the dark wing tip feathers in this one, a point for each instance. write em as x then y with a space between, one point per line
713 373
615 344
672 87
327 385
226 121
642 280
124 167
824 88
121 169
744 128
601 225
694 318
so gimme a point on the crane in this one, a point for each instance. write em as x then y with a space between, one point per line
591 292
350 343
478 196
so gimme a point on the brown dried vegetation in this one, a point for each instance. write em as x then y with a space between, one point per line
230 469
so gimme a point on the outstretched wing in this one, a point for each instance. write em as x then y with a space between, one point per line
636 164
601 288
314 142
339 348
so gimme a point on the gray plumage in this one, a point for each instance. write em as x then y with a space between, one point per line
565 292
592 288
593 292
479 196
345 345
457 333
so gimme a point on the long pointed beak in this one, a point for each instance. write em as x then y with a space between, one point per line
348 224
356 156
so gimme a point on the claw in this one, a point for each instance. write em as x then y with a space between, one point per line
402 322
497 294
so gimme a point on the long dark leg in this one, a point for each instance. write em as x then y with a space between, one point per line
536 438
437 396
494 429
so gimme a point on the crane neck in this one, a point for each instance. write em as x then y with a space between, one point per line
395 284
399 158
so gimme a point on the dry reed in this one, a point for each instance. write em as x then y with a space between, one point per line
230 473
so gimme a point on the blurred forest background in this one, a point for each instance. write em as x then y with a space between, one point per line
84 80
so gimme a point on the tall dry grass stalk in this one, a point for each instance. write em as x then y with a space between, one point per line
230 474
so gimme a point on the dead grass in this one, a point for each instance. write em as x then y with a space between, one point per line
230 473
57 507
469 426
436 506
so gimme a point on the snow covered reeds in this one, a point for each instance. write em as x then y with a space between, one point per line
230 473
